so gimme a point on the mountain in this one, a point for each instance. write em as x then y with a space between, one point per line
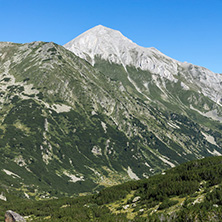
110 45
109 111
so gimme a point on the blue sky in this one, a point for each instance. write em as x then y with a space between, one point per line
186 30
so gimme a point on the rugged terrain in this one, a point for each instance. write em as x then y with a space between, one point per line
100 111
189 192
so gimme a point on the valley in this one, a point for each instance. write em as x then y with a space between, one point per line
100 111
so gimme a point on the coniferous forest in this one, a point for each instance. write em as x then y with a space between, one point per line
189 192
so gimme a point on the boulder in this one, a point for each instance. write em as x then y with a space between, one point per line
11 216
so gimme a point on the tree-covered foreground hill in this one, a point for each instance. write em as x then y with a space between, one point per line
189 192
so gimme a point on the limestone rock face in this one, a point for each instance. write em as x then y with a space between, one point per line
11 216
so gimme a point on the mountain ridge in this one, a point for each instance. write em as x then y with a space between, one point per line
112 46
68 127
101 40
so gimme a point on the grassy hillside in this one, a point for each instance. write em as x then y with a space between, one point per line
189 192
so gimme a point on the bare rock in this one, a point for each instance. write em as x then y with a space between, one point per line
136 199
11 216
126 206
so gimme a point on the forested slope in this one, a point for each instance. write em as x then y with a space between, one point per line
189 192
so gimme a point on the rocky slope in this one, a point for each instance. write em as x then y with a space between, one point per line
110 45
71 125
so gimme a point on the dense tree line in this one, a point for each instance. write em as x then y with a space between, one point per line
182 181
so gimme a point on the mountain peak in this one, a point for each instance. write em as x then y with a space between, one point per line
102 34
99 41
101 31
102 43
101 27
111 45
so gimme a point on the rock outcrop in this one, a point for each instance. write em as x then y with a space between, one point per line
11 216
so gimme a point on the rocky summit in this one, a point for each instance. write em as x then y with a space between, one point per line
100 111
